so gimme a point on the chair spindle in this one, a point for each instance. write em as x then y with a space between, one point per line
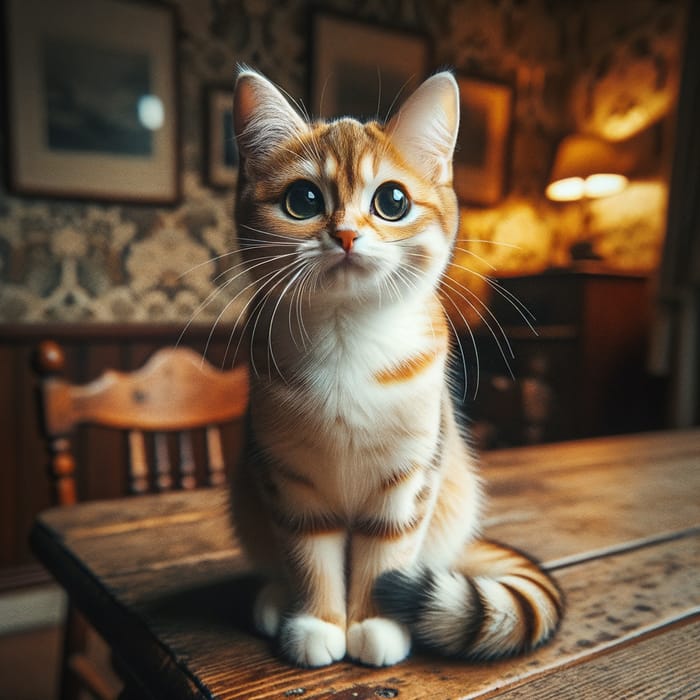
187 464
164 479
138 464
215 453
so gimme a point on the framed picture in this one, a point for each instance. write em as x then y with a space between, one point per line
91 100
362 70
221 162
484 136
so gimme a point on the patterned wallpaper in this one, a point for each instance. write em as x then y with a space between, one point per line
601 66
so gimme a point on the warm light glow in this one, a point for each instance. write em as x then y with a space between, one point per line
586 166
605 184
567 190
571 189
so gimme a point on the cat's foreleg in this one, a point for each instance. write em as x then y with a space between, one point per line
313 632
389 539
373 639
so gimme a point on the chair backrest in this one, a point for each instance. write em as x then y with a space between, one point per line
174 393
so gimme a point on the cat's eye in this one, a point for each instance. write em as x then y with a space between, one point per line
303 200
390 202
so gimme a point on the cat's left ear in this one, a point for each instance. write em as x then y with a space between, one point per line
263 118
425 128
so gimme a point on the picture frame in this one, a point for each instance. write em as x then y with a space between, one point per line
480 157
221 159
362 70
91 100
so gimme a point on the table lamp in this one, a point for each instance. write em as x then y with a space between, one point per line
587 167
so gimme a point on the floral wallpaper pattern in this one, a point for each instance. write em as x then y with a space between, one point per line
599 66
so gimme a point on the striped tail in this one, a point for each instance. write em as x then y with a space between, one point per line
499 604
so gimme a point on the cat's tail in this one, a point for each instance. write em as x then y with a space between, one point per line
498 604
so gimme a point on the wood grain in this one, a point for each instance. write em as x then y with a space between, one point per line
616 517
90 349
605 607
661 665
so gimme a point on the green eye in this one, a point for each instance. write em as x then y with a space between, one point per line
303 200
390 202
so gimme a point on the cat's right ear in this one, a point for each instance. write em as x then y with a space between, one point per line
262 115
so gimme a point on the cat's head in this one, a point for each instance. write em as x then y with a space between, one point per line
346 210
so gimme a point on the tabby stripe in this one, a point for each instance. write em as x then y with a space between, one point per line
398 477
476 621
384 529
273 467
548 587
528 615
290 475
309 524
437 212
423 494
436 459
407 369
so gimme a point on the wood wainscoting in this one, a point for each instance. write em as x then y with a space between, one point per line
90 349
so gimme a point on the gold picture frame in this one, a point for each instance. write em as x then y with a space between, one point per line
221 162
91 100
480 158
361 69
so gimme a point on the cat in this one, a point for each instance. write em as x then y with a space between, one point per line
357 494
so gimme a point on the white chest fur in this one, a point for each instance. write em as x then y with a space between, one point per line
328 414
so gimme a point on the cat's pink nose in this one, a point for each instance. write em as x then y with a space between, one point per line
345 238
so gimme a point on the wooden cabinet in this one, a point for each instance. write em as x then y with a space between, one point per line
580 373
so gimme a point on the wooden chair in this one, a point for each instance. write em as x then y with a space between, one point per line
175 393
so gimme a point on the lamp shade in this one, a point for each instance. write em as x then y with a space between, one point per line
587 166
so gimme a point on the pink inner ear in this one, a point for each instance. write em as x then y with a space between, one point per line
244 103
425 129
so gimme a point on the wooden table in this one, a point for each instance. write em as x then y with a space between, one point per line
616 519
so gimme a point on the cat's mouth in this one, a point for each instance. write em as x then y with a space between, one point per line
349 263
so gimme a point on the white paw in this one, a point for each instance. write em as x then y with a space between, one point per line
309 641
269 608
378 641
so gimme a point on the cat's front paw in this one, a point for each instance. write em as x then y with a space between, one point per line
378 641
310 641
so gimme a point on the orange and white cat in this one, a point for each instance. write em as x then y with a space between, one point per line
358 496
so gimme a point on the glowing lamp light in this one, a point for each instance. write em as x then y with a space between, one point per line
571 189
587 167
604 184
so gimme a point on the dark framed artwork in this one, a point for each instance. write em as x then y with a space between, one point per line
91 100
363 70
221 162
484 137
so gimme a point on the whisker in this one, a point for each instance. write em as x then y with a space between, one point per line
478 257
237 322
503 244
228 305
242 313
272 281
506 294
379 92
245 264
270 350
269 233
461 348
487 324
417 274
202 305
398 94
216 258
298 307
